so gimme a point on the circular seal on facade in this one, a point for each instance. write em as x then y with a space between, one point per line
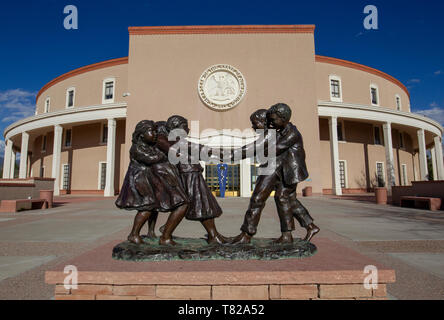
221 87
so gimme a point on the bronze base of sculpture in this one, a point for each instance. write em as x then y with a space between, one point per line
198 249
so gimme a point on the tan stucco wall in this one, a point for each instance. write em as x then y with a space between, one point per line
356 86
164 71
88 88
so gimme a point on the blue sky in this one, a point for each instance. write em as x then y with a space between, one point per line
35 47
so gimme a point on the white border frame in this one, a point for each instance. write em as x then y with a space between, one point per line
113 80
383 172
374 86
99 175
46 110
338 78
62 177
73 97
345 173
396 102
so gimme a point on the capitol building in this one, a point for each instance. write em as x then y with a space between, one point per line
358 128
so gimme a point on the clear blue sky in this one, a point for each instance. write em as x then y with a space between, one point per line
35 47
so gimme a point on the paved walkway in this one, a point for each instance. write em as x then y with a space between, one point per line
408 240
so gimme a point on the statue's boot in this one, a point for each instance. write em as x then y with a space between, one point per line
312 229
286 237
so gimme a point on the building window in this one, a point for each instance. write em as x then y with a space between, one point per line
398 103
343 173
401 140
108 90
68 138
42 172
335 88
44 143
340 128
102 175
70 97
65 175
47 105
380 181
377 136
233 179
404 174
104 138
374 95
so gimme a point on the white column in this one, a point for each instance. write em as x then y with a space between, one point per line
422 155
334 149
7 160
439 158
245 178
435 174
110 158
24 155
58 130
387 128
13 159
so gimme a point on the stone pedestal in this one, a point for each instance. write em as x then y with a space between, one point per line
334 272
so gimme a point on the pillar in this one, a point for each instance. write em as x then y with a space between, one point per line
24 155
245 178
110 158
439 158
334 149
7 160
57 147
13 159
435 173
387 128
422 156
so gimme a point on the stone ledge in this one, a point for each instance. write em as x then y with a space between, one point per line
226 292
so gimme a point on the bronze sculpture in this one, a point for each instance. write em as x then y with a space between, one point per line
154 184
151 184
290 170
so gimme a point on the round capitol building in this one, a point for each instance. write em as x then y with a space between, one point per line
356 122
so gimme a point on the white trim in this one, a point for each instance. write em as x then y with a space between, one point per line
383 173
378 114
47 106
345 173
374 86
100 176
113 80
338 78
397 96
73 89
67 116
62 176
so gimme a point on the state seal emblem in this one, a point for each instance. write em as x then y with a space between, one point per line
221 87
